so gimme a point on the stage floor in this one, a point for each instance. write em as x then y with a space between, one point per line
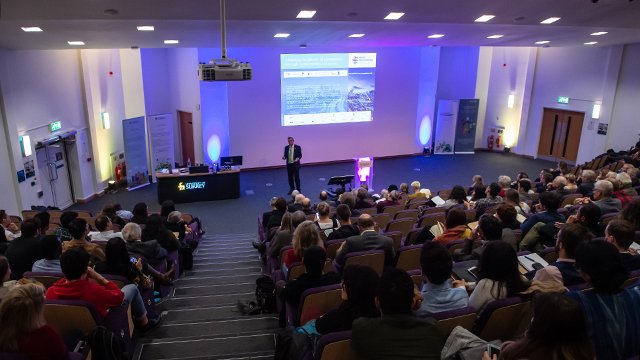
257 187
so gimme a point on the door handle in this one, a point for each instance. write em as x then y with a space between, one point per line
54 171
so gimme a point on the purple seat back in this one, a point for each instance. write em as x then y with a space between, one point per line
328 339
172 258
447 320
296 316
503 319
408 257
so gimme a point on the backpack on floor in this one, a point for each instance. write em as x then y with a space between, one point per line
105 345
266 294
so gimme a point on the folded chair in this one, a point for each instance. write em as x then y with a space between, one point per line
335 346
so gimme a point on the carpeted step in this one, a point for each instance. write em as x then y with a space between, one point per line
255 270
215 280
205 300
213 328
214 289
201 314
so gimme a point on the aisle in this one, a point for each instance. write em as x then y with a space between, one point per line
198 319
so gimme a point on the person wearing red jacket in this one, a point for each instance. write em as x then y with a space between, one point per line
82 283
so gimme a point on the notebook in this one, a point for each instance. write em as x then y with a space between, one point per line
437 200
527 261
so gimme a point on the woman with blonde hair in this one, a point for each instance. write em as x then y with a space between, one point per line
24 329
305 235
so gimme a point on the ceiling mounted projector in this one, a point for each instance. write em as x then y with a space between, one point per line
224 69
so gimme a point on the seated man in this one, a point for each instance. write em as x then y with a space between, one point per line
621 234
587 182
51 249
11 230
362 199
569 237
102 293
343 214
79 229
297 203
350 200
25 250
65 219
105 230
588 215
491 200
306 207
546 212
369 239
416 186
613 315
602 196
396 334
489 229
313 260
437 292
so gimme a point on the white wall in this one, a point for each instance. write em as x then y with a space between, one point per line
9 198
625 123
39 87
582 74
254 112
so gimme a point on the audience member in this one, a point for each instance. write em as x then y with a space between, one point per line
102 293
509 218
78 229
25 250
612 313
478 192
280 207
631 213
150 250
458 197
438 292
324 196
512 197
110 211
284 236
369 239
313 259
570 237
4 243
546 212
476 181
297 203
166 208
397 334
155 230
492 199
416 187
267 214
306 207
588 215
43 219
304 236
602 196
362 199
358 294
6 284
489 229
346 229
544 181
140 213
587 182
350 200
175 224
626 193
325 224
557 331
505 184
621 234
105 230
455 228
125 215
66 218
571 186
51 249
524 190
24 329
499 276
404 190
11 230
390 200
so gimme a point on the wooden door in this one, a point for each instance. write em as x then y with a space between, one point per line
560 135
186 136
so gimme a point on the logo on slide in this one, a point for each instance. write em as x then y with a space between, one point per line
182 186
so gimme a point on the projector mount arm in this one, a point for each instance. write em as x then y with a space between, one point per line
223 29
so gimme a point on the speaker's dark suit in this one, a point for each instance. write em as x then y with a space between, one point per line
293 169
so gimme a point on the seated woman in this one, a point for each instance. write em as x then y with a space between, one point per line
455 228
110 211
120 263
558 331
358 294
499 276
305 235
458 197
283 236
148 250
175 224
155 230
314 259
612 313
51 249
324 222
169 206
6 284
512 197
571 186
24 329
140 213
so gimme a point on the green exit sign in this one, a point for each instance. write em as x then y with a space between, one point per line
563 99
55 126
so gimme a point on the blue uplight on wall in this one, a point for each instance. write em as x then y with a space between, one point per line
213 147
425 130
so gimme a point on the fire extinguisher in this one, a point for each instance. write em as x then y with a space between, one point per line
490 141
498 141
118 172
124 169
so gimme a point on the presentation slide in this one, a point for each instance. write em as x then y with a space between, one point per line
327 88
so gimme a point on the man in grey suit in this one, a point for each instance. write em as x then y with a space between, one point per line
369 239
602 196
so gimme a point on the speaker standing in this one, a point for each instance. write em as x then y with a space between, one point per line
292 155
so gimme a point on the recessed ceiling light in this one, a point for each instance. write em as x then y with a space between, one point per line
146 28
435 36
356 35
591 43
75 43
281 35
394 16
496 36
306 14
31 29
550 20
484 18
542 42
593 34
170 42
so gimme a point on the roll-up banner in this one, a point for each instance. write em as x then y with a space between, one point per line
445 126
466 126
161 142
135 152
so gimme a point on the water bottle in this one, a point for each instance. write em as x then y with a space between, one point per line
188 162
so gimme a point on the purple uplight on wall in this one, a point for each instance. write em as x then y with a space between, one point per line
364 171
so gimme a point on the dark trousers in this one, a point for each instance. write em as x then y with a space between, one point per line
293 172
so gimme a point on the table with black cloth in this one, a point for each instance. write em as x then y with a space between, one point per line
184 188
